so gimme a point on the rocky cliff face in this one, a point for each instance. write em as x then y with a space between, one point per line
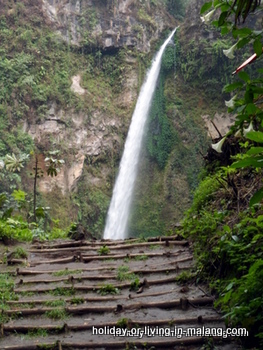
108 24
107 36
74 71
92 139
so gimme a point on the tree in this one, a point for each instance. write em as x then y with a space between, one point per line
241 298
247 100
53 166
14 163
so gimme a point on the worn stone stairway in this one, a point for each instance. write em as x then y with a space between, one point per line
108 295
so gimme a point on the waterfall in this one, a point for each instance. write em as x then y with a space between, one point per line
118 213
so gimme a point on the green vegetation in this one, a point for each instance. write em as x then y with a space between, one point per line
108 289
123 273
77 301
103 250
225 221
6 294
185 276
176 7
154 246
135 284
66 272
140 257
60 291
20 253
55 303
122 323
160 136
57 314
36 71
37 333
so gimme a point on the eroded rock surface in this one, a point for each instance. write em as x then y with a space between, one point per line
108 24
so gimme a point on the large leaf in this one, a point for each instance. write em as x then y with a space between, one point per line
242 32
242 42
256 136
249 96
231 87
257 197
222 18
3 198
244 76
254 150
206 7
19 195
254 162
251 108
257 47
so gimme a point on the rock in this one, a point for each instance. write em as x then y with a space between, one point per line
76 85
78 233
222 121
110 26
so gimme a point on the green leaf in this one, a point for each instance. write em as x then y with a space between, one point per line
244 76
19 195
242 32
257 197
251 108
222 18
257 90
230 286
225 30
256 136
3 198
249 96
231 87
225 7
227 229
7 213
217 2
254 150
242 42
257 47
206 7
245 163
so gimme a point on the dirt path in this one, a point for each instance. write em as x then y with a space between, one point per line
72 295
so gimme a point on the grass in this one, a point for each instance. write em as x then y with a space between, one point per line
154 246
77 301
6 294
108 289
57 314
25 305
135 284
37 333
20 253
103 250
27 294
140 257
185 276
122 323
108 259
55 303
136 258
124 274
63 291
66 272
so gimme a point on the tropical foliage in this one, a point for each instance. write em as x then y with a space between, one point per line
227 231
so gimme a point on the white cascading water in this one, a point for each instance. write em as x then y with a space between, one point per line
118 213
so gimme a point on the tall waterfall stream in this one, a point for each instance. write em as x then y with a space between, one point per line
118 213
